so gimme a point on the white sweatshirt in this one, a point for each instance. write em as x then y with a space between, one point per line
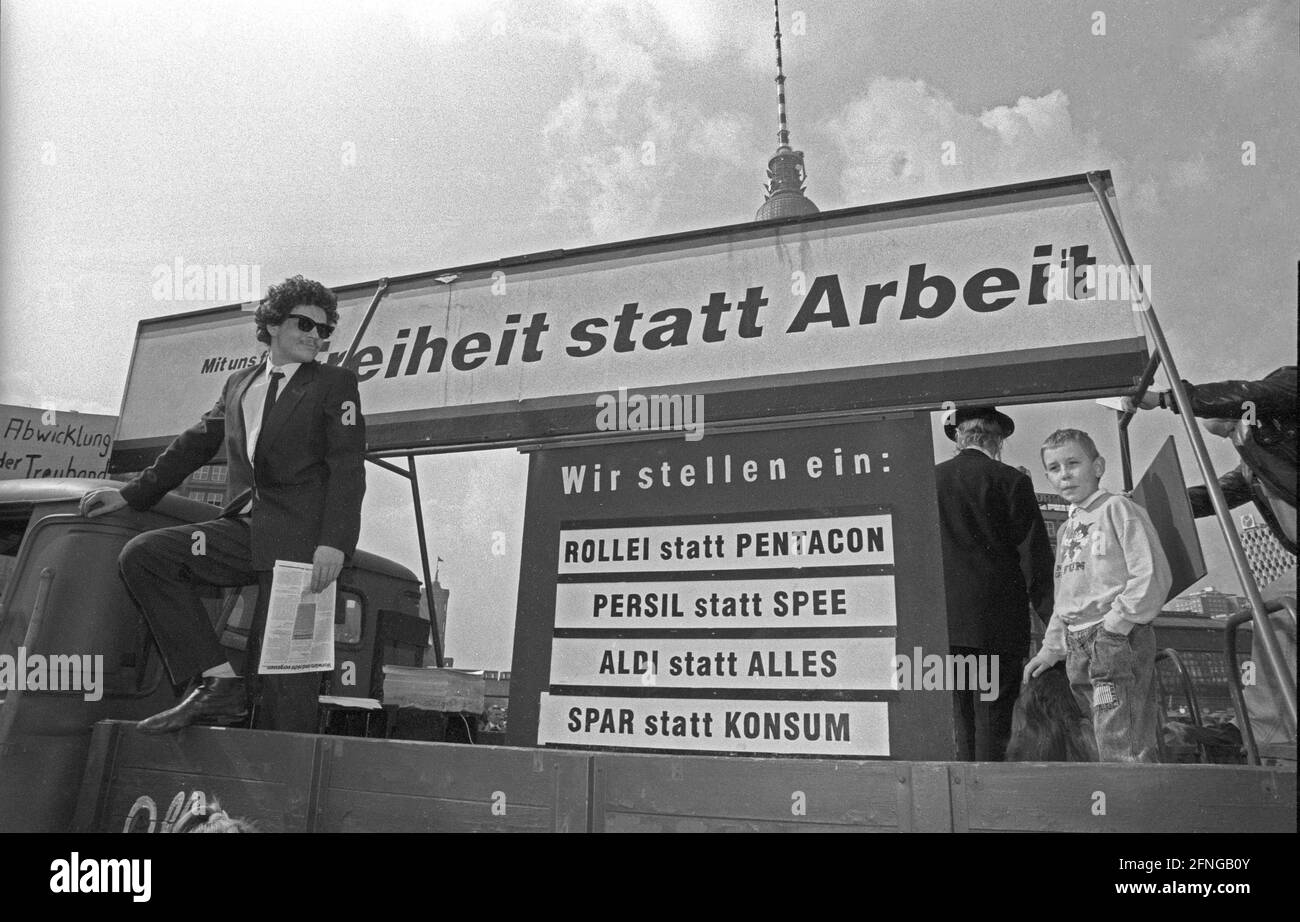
1109 568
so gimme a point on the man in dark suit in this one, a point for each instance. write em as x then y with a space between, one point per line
294 439
987 514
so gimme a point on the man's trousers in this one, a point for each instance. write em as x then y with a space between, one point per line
160 569
983 728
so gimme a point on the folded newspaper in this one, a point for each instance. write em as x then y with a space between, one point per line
299 635
434 689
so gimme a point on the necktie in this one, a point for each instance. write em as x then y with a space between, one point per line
271 393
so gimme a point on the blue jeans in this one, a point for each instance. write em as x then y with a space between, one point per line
1113 680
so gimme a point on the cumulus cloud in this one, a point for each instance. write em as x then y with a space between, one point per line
614 144
605 137
1242 43
905 139
696 30
447 21
724 139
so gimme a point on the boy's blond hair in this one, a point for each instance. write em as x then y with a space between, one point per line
1062 437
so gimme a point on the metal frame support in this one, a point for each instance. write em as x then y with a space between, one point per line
365 322
1125 456
424 561
411 475
1234 685
1155 336
1126 417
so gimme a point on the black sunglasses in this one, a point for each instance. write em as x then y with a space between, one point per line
306 325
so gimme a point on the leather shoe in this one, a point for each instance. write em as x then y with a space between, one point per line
215 700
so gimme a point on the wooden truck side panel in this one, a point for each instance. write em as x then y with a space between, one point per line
65 579
302 783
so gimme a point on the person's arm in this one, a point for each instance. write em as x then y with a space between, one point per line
189 451
1147 587
345 445
1052 651
1235 485
1041 562
1274 396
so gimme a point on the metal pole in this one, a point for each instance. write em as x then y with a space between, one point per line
1148 375
1125 458
365 322
424 561
380 462
1126 417
1263 626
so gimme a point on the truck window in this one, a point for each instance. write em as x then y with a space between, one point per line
347 619
13 525
235 616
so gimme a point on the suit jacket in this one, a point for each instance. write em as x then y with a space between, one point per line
308 477
987 511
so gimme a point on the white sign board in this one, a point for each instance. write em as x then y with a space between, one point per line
952 297
53 443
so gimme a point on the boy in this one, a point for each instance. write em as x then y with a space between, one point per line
1111 581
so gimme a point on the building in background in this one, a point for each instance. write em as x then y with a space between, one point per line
207 485
1207 603
1055 511
1268 559
441 596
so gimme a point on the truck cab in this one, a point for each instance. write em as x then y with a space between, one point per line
63 606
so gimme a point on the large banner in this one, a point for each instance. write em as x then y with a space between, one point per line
53 443
1002 294
749 593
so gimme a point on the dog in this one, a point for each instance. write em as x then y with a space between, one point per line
1047 724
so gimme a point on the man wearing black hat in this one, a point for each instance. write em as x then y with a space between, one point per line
987 512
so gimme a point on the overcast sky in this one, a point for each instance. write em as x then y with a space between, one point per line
352 141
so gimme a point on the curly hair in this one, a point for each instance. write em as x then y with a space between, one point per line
281 299
980 433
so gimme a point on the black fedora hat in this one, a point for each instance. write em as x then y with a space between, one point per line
982 412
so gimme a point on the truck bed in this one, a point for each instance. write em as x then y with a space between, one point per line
304 783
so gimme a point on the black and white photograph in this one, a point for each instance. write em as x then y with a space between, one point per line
600 416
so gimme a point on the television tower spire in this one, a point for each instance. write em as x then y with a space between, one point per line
785 169
783 132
